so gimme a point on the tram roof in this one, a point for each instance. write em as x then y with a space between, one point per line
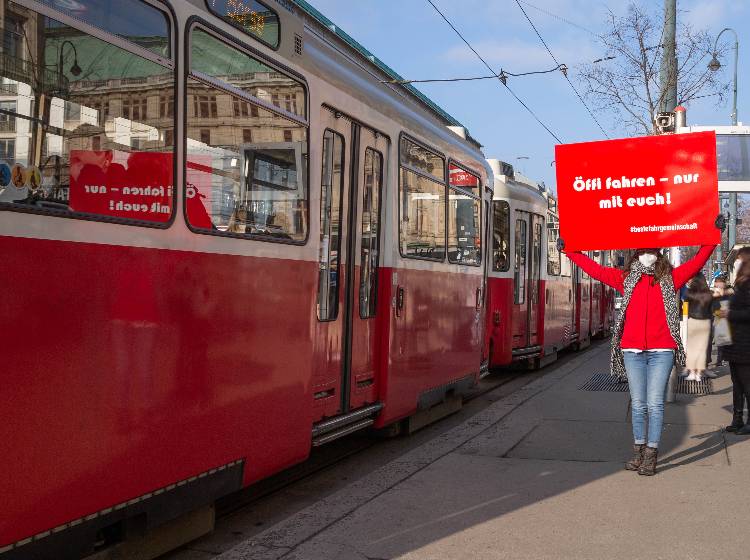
382 66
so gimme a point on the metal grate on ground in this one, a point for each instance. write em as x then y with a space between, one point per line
607 382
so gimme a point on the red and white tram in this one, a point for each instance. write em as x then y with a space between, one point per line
224 240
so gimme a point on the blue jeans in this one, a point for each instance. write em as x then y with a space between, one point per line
648 375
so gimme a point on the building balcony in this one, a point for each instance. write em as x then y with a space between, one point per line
40 78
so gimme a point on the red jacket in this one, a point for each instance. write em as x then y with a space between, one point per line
645 325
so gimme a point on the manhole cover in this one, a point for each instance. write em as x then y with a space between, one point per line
607 382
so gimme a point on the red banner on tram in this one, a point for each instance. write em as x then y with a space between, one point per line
653 191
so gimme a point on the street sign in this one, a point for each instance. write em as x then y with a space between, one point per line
653 191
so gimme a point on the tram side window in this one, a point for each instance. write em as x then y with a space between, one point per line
246 173
500 236
133 20
554 258
464 218
370 244
331 191
82 129
519 274
422 195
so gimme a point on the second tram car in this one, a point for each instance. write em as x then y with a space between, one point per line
538 302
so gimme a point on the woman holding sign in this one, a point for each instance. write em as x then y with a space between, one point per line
646 337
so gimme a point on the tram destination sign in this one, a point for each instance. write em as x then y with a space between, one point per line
652 191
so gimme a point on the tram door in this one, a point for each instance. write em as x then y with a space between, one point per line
526 278
353 172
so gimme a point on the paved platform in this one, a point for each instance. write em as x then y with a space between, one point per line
538 475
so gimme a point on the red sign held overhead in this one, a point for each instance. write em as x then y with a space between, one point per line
653 191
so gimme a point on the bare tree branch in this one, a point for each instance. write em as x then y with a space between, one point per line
628 88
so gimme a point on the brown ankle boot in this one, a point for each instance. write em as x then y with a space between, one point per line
648 466
635 463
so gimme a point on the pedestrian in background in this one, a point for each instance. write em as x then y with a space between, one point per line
700 302
738 353
721 292
646 337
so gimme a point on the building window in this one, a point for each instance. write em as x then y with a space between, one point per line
8 149
205 106
72 111
287 136
290 103
206 136
247 135
8 120
12 37
166 106
241 108
253 111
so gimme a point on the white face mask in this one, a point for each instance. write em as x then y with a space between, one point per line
737 266
647 259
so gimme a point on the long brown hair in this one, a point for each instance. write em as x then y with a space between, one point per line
661 266
743 274
698 290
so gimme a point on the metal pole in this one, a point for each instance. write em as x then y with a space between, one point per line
732 225
668 69
733 196
668 82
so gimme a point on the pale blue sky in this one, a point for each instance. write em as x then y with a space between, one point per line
411 37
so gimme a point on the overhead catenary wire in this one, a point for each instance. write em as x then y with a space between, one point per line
561 18
580 98
495 74
503 73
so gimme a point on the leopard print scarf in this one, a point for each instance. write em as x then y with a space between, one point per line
671 309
